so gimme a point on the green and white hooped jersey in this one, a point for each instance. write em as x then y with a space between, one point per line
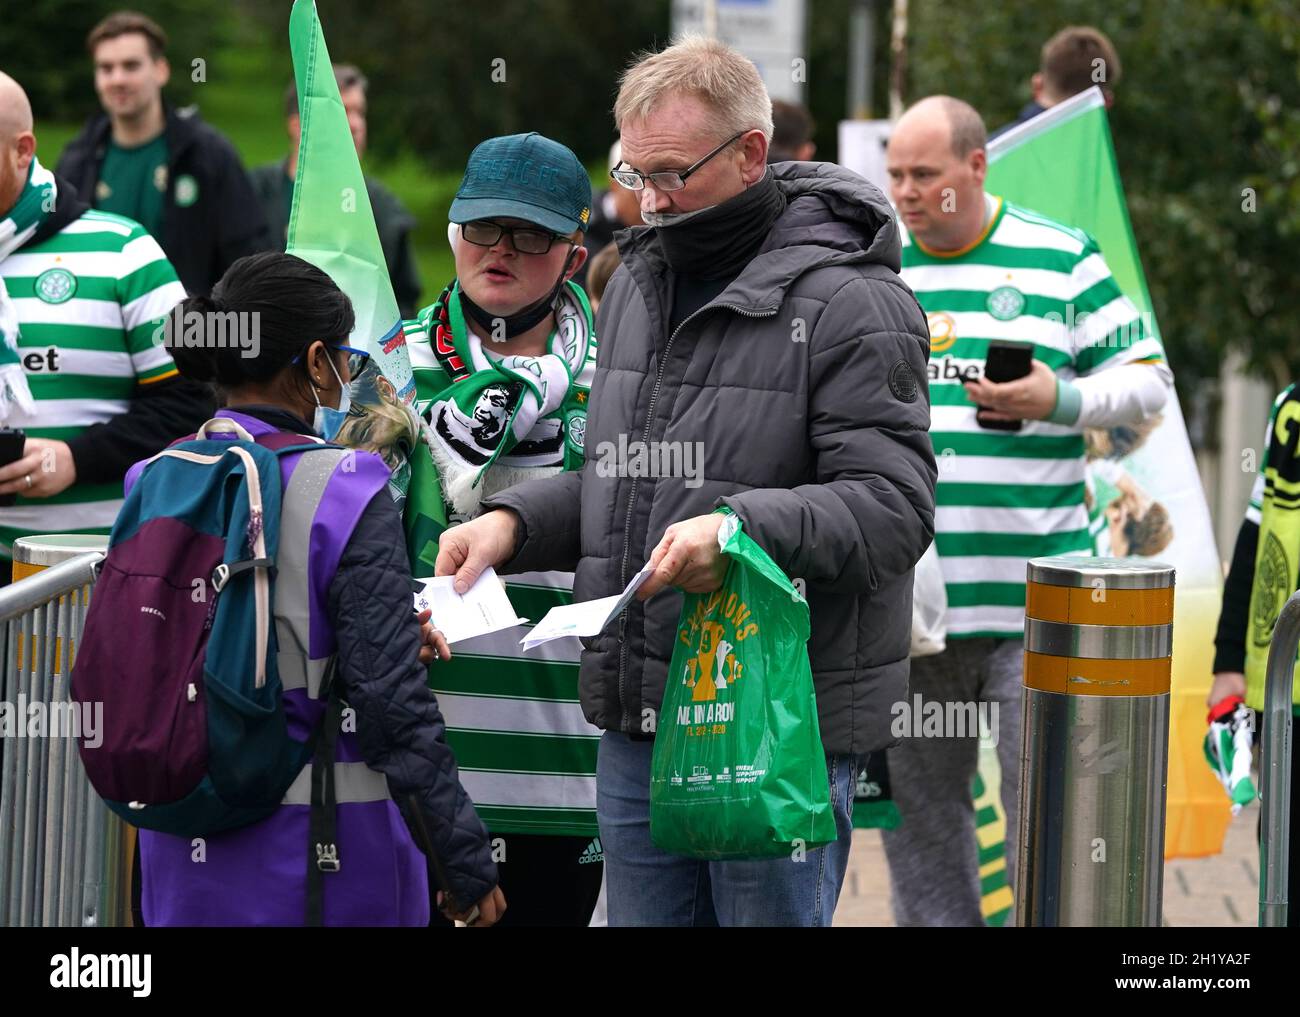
527 755
1004 497
90 300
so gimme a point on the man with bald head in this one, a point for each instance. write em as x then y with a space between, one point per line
1011 467
81 294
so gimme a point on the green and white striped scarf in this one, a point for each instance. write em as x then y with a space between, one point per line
35 202
517 413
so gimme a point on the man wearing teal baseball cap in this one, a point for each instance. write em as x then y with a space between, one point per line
534 185
503 364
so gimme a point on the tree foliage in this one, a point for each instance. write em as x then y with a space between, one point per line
448 75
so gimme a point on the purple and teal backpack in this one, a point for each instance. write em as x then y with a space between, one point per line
179 643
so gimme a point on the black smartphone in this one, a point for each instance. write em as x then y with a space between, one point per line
12 442
1005 361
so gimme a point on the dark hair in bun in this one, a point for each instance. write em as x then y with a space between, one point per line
266 310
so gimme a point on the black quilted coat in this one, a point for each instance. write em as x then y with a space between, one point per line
399 725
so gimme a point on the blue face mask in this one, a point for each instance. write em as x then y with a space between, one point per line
329 421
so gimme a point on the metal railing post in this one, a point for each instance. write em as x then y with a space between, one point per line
53 842
1275 767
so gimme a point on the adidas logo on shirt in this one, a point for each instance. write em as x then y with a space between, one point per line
592 853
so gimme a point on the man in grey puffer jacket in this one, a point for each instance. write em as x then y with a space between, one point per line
757 336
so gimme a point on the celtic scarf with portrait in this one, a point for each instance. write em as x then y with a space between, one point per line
35 202
516 415
1279 543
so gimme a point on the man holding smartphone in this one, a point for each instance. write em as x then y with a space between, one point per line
82 381
1031 341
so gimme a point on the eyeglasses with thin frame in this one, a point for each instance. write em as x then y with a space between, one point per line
357 359
524 239
666 180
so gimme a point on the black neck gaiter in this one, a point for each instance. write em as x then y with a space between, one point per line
521 321
719 242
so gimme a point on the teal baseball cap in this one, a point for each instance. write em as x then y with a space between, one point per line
525 176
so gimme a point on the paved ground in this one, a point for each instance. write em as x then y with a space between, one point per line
1221 890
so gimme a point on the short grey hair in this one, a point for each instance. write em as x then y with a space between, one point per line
726 81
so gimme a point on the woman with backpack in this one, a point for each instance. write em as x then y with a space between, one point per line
342 607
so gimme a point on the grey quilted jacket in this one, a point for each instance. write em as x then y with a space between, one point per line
802 388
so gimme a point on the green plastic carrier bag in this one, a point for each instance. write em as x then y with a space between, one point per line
739 770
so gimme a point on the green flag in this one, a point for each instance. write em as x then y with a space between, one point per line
332 225
1062 164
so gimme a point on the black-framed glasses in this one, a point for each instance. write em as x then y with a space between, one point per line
524 239
667 180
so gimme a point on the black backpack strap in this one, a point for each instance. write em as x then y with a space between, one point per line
227 571
322 840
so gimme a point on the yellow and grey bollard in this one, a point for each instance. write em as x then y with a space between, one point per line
37 553
1098 645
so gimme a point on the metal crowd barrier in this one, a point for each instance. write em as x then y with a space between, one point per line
63 855
1275 767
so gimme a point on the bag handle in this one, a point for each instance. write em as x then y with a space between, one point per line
224 425
261 577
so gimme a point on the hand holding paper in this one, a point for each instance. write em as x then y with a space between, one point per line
689 556
585 619
483 608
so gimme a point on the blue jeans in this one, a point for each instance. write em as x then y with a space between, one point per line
647 886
